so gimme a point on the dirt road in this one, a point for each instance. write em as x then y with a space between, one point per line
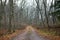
29 34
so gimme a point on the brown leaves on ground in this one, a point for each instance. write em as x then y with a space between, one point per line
45 35
9 36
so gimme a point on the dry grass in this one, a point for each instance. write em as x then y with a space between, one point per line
49 35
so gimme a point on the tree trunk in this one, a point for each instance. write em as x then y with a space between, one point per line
44 2
10 15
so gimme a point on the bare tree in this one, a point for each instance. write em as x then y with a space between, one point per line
44 3
10 15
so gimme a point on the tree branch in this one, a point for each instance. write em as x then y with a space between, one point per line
5 2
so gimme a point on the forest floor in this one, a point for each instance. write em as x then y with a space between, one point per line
30 33
49 35
9 36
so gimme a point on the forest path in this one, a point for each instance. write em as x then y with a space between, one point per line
29 34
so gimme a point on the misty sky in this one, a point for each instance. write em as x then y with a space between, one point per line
29 2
